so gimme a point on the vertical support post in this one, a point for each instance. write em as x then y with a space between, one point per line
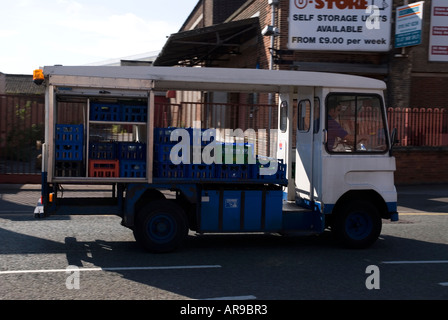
150 135
50 115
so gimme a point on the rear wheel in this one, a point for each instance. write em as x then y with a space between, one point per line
357 224
161 226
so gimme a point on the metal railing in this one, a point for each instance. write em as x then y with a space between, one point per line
420 127
22 125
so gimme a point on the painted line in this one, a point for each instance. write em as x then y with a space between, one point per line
444 284
422 214
415 261
74 268
14 212
250 297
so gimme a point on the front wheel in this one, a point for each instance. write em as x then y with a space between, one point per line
357 225
161 226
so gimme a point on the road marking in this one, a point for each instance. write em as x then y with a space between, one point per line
415 261
14 212
109 269
445 284
250 297
422 214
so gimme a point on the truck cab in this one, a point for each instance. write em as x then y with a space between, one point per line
336 144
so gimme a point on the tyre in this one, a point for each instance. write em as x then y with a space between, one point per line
161 226
357 224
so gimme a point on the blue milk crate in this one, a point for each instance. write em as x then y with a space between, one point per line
134 113
200 171
233 171
166 170
69 151
105 112
233 152
162 153
103 150
132 169
131 151
69 133
278 173
69 141
163 135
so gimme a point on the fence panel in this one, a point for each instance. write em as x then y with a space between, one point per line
21 133
419 127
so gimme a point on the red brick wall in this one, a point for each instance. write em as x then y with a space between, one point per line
421 165
429 91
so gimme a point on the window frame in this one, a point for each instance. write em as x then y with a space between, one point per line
300 119
284 116
356 97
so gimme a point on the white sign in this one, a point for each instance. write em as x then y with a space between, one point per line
340 25
438 34
408 27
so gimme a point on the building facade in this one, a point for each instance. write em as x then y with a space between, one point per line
323 35
407 47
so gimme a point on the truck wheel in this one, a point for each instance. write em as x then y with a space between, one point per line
357 225
161 226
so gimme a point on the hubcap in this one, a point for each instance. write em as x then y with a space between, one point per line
358 225
161 228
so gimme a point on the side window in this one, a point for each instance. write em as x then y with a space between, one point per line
316 113
355 123
284 116
304 116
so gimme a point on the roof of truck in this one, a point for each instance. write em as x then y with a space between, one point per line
228 79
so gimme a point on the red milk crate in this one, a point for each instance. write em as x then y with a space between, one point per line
104 168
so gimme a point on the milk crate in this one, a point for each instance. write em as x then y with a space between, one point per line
166 170
134 113
69 169
131 151
103 150
69 141
232 153
132 169
69 133
104 168
163 135
232 171
105 112
200 171
65 151
278 173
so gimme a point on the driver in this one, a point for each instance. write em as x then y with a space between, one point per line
336 134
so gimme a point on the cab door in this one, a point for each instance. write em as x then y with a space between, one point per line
285 147
304 189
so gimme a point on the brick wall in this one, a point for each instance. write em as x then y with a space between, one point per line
421 165
429 90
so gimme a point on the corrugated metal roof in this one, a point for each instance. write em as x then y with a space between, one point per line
208 44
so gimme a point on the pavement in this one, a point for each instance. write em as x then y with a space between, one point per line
423 199
412 199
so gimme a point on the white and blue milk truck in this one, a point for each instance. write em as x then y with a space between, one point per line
327 165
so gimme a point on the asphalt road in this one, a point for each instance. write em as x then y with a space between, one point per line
408 262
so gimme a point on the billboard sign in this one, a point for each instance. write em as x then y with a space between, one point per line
408 27
340 25
438 35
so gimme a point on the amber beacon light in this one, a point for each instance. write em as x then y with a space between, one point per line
38 76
